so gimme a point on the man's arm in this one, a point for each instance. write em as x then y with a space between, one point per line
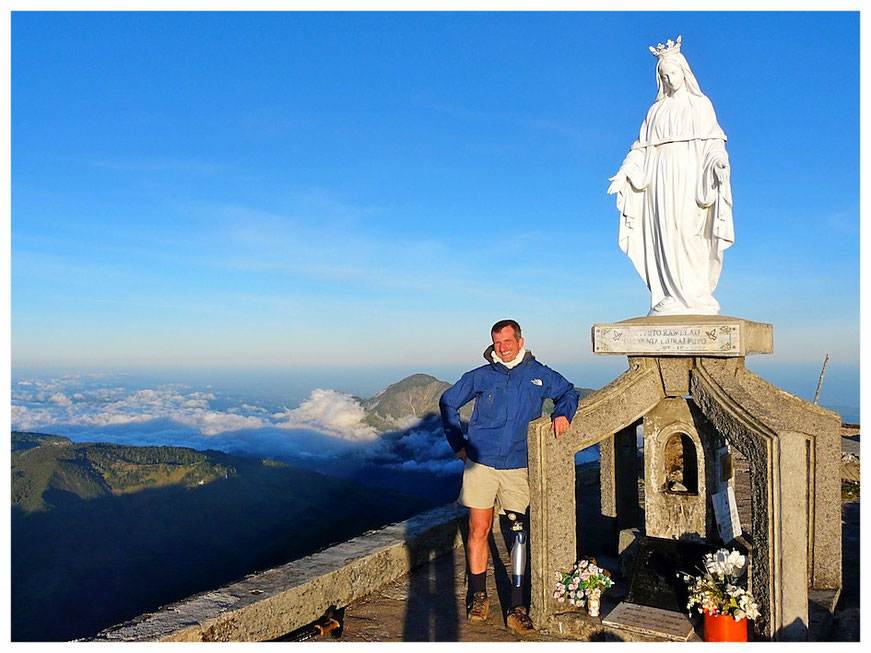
450 403
565 401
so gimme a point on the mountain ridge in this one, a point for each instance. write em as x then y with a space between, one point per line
101 533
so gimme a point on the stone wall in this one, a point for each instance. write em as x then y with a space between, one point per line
272 603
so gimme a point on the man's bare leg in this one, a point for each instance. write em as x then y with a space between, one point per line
477 554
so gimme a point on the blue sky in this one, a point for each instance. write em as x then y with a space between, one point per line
376 189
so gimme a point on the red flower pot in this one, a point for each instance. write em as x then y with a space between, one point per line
723 628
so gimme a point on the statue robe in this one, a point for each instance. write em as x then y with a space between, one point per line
675 221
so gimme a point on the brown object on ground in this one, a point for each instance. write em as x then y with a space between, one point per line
479 607
518 622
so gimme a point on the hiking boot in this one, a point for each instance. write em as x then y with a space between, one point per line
518 621
479 607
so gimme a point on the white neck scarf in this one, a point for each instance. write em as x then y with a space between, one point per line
510 364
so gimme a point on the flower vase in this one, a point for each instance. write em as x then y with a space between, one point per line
593 606
724 628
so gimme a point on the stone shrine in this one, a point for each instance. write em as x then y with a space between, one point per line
688 386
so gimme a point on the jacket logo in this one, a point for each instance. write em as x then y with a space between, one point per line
536 381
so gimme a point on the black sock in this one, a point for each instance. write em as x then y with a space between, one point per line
516 596
478 582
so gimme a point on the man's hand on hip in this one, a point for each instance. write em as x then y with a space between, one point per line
560 426
461 454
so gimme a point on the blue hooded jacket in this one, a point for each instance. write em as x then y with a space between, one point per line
505 402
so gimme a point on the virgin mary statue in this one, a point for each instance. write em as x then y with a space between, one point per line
674 195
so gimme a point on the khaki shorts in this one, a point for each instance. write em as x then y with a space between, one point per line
483 486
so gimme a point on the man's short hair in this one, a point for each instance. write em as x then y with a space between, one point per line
501 324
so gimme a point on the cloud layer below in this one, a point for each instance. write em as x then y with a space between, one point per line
327 426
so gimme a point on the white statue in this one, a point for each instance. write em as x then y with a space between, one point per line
674 195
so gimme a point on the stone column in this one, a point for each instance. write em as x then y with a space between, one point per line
788 442
600 415
608 478
552 516
826 564
791 537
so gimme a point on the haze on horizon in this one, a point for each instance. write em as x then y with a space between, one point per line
372 190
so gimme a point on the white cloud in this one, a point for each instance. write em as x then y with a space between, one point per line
326 412
105 407
329 412
406 422
29 419
111 419
214 422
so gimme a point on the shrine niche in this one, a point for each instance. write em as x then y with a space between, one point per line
678 470
681 466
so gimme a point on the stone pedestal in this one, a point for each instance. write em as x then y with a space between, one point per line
684 335
687 377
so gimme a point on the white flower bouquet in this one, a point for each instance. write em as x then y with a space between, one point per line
585 582
717 592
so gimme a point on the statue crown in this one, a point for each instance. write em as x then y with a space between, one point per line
670 47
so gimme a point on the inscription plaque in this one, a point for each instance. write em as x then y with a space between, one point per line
726 514
655 581
650 621
677 339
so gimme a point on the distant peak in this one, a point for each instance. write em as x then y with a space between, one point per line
417 379
404 402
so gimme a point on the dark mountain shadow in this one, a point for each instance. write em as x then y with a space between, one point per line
407 462
86 564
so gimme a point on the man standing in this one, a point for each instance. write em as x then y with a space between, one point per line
509 392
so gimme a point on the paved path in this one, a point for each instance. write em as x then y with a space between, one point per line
428 605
